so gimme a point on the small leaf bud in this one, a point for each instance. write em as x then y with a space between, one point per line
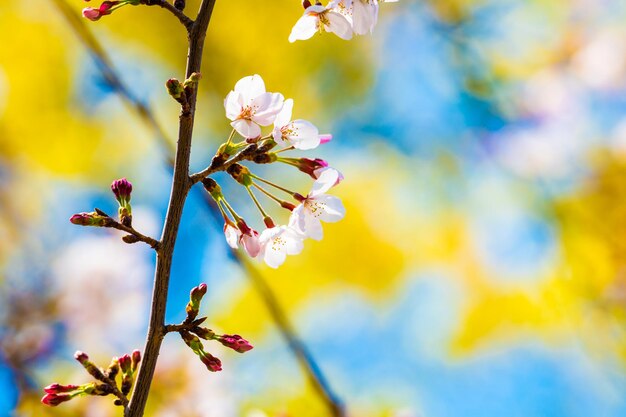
136 358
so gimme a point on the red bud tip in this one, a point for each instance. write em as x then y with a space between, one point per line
235 342
81 356
136 357
58 388
212 363
125 364
55 399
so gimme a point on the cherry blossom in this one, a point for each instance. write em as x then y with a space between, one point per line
249 106
362 14
278 242
318 18
299 133
318 206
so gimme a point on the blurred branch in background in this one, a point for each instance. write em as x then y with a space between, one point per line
296 345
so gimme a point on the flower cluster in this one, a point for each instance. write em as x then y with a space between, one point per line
191 332
344 18
106 384
106 8
250 107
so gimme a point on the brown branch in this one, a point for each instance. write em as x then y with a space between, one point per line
180 188
182 17
245 153
153 243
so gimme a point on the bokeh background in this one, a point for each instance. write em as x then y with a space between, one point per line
480 271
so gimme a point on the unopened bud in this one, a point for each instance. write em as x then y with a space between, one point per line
306 4
212 363
176 89
136 358
130 239
90 219
113 369
55 399
125 364
179 4
192 81
122 190
58 388
92 369
235 342
195 297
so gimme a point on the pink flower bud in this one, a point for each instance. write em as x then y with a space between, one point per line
122 189
309 166
58 388
136 357
93 15
81 356
235 342
125 364
55 399
306 4
212 363
89 219
106 6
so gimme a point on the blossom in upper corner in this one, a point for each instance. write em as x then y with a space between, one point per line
317 18
318 206
299 133
249 106
278 242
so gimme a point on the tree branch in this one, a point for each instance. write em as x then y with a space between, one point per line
180 188
182 17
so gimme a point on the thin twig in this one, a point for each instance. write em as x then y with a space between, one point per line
245 153
182 17
153 243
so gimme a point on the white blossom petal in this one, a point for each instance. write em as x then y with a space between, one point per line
326 180
250 87
364 16
246 128
305 27
232 235
303 135
332 209
339 25
233 105
265 108
284 117
251 243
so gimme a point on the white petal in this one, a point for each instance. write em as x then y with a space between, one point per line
273 258
327 179
251 244
250 87
294 240
304 28
339 25
277 134
313 228
304 223
246 128
265 108
233 105
232 236
364 17
284 116
332 209
303 135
